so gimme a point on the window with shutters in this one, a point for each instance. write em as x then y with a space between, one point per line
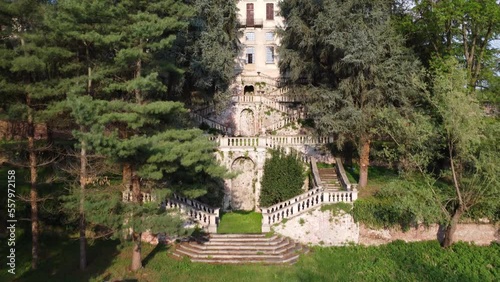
269 55
250 55
269 11
250 20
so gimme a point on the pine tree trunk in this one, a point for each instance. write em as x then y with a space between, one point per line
33 185
83 182
136 253
449 235
364 161
127 176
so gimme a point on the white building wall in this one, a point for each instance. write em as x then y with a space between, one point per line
260 27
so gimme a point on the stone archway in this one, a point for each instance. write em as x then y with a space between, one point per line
248 89
247 123
242 187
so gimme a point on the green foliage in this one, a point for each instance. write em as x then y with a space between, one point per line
355 64
461 29
207 49
391 262
337 208
283 179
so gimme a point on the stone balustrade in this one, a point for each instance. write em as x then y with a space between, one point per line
205 111
315 173
195 204
272 141
306 201
344 180
263 100
252 79
282 123
206 216
213 124
127 196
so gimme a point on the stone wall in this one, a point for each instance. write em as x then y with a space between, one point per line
321 228
480 234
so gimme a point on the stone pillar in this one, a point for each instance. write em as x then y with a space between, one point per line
354 195
212 227
265 226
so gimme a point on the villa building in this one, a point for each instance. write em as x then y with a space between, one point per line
258 60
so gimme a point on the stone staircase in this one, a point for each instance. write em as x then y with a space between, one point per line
329 179
241 249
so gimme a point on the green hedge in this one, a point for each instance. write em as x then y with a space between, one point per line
283 179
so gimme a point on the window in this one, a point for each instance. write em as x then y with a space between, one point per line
269 11
250 21
250 36
269 36
250 56
269 55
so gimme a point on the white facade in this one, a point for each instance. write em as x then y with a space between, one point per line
258 21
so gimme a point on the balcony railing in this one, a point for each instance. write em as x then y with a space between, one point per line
251 22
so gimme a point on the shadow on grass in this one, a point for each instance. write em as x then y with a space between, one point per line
59 260
161 247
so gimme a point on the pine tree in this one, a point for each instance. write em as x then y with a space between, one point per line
355 64
85 30
29 74
133 126
208 48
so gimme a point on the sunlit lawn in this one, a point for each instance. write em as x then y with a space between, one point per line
398 261
240 222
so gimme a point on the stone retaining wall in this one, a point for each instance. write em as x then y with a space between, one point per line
480 234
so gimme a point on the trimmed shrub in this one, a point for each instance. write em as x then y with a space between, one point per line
283 179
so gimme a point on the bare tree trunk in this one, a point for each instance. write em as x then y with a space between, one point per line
136 253
83 183
364 161
449 234
33 185
137 198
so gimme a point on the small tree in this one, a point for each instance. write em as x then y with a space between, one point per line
460 147
283 178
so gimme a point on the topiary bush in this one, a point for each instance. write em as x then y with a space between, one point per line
283 179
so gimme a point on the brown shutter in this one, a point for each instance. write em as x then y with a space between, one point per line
269 11
250 21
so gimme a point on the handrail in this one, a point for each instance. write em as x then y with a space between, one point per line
308 200
315 173
344 180
211 123
205 215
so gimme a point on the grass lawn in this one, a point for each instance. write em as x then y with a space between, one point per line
377 178
398 261
240 222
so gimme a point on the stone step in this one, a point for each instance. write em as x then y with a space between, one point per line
264 248
261 235
239 247
232 241
290 260
230 255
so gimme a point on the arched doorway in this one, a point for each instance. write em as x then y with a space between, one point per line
249 89
242 190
